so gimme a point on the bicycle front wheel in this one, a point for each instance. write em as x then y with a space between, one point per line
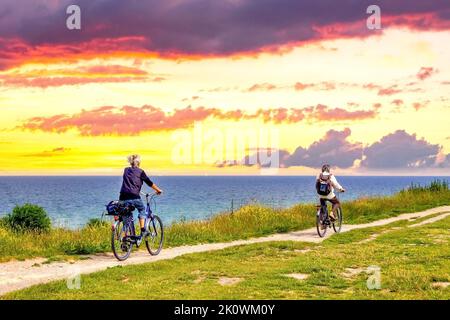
337 224
120 241
154 241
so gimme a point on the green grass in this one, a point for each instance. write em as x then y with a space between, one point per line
256 220
58 242
411 262
249 221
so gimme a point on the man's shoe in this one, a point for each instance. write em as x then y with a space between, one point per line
332 217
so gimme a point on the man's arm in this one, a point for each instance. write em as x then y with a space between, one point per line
336 184
146 179
156 188
150 183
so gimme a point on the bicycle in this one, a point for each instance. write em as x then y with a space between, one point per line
123 233
323 221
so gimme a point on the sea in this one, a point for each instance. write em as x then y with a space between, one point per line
71 201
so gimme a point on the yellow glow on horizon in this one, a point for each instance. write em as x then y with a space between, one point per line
391 59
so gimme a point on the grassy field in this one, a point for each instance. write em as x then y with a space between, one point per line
249 221
412 264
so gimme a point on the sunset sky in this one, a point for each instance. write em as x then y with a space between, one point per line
140 75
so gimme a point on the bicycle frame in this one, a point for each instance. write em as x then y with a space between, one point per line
123 233
324 209
149 213
129 220
322 212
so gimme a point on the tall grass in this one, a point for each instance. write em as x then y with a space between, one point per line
411 199
56 242
435 186
249 221
255 220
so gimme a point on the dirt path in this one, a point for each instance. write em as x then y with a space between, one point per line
16 275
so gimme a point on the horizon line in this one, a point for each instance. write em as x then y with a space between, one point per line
228 175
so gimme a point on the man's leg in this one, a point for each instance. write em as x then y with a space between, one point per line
335 205
141 209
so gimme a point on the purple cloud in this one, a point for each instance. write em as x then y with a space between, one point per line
332 148
263 158
445 163
400 150
198 27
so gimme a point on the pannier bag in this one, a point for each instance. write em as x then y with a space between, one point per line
323 185
115 208
112 208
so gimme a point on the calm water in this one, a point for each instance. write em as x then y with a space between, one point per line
71 201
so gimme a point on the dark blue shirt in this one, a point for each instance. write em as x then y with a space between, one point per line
133 178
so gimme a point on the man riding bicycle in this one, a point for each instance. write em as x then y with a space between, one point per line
133 179
325 184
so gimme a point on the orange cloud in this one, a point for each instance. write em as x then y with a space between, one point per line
383 91
114 69
397 102
324 113
425 72
389 91
325 85
420 105
16 52
44 78
129 120
49 153
262 86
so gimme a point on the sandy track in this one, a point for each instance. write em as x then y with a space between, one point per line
16 275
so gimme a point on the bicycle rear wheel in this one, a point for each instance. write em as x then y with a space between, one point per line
337 224
320 226
120 242
154 241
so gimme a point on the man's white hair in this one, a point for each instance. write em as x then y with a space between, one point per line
134 160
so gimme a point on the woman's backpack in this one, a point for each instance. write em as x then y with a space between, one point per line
323 185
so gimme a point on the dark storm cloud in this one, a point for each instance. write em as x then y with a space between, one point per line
201 27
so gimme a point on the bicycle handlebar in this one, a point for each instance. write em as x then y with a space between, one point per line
149 194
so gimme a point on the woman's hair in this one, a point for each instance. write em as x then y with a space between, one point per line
134 160
326 167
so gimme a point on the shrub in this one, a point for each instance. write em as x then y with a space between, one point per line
28 217
3 221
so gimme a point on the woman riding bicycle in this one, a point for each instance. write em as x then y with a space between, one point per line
325 184
133 179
